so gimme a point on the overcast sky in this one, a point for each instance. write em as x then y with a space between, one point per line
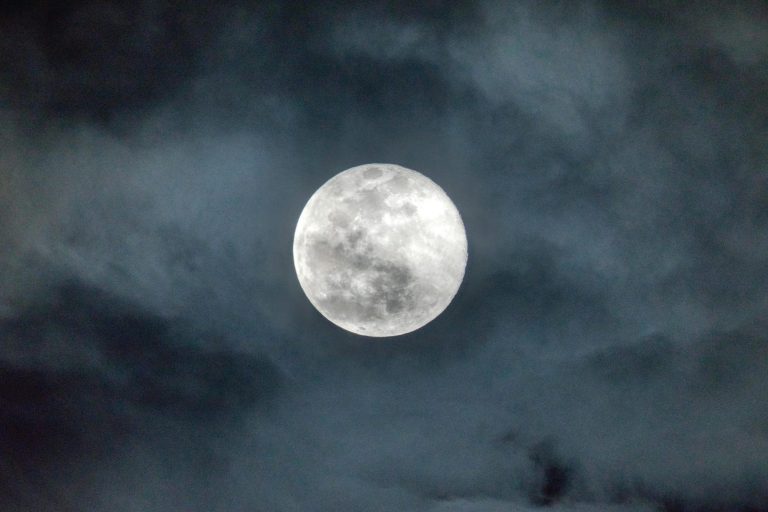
607 350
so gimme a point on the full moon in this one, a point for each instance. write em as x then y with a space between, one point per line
380 250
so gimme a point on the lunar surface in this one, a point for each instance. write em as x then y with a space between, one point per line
380 250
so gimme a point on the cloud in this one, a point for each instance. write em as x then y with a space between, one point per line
83 374
605 351
494 505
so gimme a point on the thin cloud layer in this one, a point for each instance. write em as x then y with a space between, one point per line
606 351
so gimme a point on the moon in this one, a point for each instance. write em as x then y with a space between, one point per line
380 250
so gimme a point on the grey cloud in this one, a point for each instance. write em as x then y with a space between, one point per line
84 372
604 353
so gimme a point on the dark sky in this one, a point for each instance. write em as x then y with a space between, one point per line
607 351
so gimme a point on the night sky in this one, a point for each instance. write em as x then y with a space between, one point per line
607 350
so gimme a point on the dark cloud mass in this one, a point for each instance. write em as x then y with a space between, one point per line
607 350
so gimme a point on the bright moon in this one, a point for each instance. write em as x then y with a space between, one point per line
380 250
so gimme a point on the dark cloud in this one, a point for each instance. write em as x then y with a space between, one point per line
82 371
605 352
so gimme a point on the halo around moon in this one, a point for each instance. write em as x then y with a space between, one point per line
380 250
